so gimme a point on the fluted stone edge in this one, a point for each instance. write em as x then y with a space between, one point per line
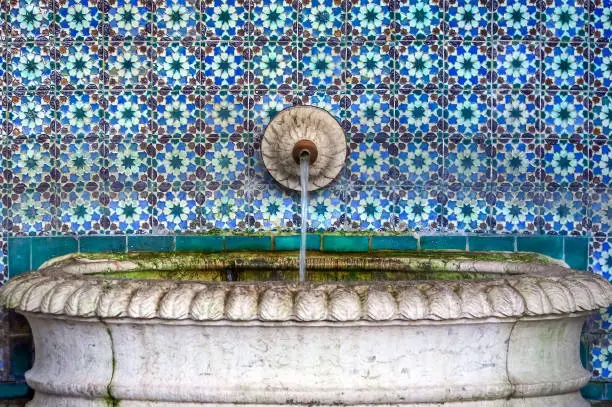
541 290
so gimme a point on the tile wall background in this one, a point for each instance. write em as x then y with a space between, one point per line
461 116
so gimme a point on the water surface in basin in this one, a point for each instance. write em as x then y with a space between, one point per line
321 267
258 275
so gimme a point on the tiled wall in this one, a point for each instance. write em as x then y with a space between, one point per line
145 117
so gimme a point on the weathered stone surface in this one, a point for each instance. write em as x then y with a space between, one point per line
510 340
533 289
303 123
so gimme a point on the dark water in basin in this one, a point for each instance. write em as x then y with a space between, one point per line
247 275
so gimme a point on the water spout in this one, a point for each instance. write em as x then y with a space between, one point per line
304 162
305 153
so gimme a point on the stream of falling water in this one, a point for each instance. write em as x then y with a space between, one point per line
304 161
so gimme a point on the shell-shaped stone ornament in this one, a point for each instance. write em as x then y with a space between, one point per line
303 123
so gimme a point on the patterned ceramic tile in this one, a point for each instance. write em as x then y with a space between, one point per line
369 114
368 161
419 64
322 64
601 357
322 19
517 65
468 159
327 210
127 64
467 210
223 64
468 114
177 64
601 19
127 163
80 65
79 113
417 209
563 113
367 20
467 18
31 114
175 210
78 19
601 212
419 113
79 211
31 160
273 208
516 209
225 207
602 115
178 19
271 67
515 113
601 164
128 18
564 211
564 161
30 66
174 112
369 209
224 114
468 64
516 19
274 20
128 211
601 67
517 159
418 19
601 261
225 19
417 160
565 19
32 211
29 19
79 161
564 66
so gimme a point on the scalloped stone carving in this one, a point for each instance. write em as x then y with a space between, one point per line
154 343
303 123
543 290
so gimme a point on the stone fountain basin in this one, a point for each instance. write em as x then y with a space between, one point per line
458 329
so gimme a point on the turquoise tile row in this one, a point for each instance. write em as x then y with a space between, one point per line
28 253
597 390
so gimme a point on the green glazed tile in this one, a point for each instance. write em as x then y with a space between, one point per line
443 242
97 244
248 242
346 243
19 255
45 248
141 243
13 390
313 242
593 391
547 245
577 252
491 243
21 360
199 243
584 354
394 243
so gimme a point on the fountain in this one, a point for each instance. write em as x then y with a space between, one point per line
416 329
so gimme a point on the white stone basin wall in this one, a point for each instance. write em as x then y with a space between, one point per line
507 341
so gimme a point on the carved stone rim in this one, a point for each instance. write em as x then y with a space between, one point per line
522 290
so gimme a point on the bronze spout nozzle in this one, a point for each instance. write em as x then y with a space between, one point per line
305 146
